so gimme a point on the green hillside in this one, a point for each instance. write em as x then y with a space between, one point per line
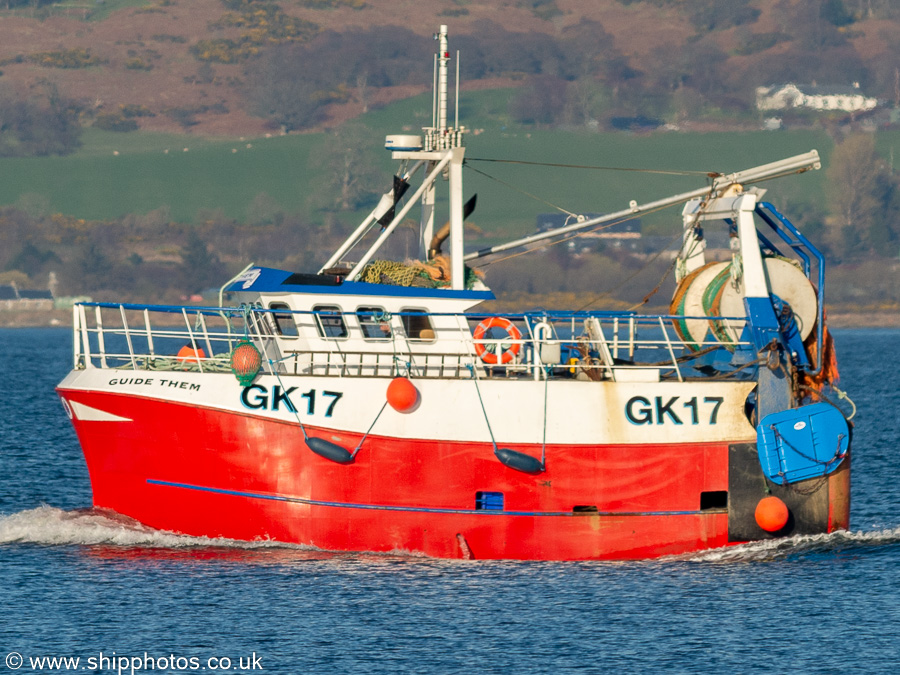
192 175
151 171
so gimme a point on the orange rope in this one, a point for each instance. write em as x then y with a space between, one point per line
828 375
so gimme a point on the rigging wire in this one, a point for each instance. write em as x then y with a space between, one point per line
580 233
675 260
524 192
561 209
604 226
637 273
707 174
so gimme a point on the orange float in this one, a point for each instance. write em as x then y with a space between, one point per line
402 395
771 514
188 353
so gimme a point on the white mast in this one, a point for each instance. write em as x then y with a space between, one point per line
443 60
441 153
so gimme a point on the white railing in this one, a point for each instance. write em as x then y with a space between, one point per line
590 346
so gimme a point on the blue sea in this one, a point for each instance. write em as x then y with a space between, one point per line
120 599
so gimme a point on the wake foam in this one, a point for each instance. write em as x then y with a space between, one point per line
90 527
793 547
50 526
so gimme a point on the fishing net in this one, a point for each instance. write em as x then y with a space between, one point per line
395 273
432 274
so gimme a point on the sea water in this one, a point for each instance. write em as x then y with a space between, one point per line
123 599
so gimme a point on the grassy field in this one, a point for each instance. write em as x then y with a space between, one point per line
116 174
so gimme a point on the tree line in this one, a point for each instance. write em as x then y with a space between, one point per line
572 77
44 124
863 197
578 76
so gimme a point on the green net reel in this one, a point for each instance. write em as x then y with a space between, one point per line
246 362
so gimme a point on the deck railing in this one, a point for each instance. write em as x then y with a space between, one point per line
582 345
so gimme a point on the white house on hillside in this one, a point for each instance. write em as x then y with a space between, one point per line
781 96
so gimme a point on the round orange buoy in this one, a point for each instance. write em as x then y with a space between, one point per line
771 514
188 353
402 395
246 362
246 358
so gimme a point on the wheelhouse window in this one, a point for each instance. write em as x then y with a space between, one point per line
417 325
374 323
283 321
330 322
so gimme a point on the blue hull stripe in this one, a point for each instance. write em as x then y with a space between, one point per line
416 509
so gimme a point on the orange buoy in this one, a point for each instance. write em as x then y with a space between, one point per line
246 362
402 395
188 353
771 514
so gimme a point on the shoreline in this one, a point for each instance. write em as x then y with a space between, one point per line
858 319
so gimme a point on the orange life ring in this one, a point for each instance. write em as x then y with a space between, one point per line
505 355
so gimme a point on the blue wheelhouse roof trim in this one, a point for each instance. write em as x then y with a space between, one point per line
269 280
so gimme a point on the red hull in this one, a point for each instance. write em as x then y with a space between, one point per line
205 472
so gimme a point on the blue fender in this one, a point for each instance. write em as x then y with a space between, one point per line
802 443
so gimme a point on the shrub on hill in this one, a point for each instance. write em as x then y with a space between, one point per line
753 43
200 268
115 121
223 50
836 64
331 4
186 116
137 63
263 23
542 9
541 102
290 84
31 260
45 125
709 15
166 37
78 57
135 110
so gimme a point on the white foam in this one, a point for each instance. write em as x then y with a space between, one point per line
91 527
51 526
776 549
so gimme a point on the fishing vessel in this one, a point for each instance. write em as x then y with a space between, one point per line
379 405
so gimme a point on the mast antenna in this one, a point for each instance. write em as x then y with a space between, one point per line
434 89
441 136
443 58
456 120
